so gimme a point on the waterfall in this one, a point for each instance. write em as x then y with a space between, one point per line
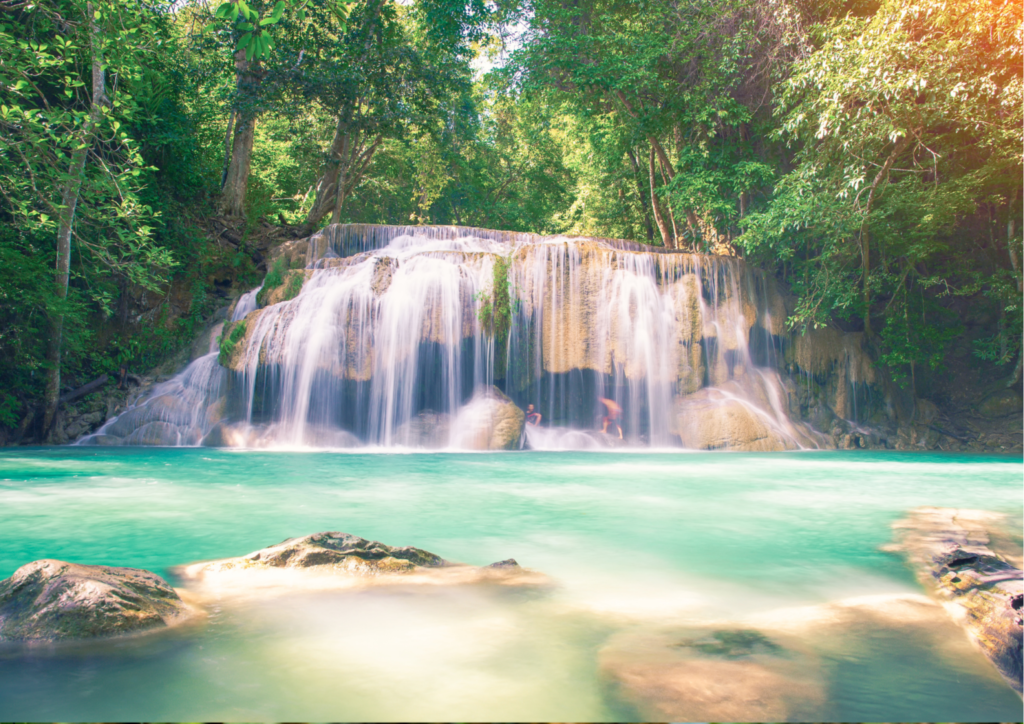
246 304
389 340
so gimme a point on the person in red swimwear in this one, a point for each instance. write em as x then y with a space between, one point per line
612 418
532 416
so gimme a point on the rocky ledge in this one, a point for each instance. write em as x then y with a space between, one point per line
951 551
335 559
50 600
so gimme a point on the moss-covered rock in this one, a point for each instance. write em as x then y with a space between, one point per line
282 282
234 332
50 600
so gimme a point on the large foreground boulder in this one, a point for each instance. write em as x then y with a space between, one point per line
949 550
50 600
339 560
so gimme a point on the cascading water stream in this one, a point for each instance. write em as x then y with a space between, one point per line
391 341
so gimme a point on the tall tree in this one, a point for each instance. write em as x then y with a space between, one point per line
907 124
63 145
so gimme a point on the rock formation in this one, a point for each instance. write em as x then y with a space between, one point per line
490 421
50 600
334 559
950 551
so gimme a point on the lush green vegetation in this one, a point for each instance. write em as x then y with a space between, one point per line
867 153
233 334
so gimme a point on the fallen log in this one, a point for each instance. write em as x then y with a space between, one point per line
84 389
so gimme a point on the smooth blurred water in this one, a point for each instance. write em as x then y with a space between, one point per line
631 539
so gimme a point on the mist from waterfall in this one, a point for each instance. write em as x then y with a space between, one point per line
388 343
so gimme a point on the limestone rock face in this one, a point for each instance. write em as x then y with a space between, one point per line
383 270
295 253
708 421
949 550
490 421
747 416
50 600
713 675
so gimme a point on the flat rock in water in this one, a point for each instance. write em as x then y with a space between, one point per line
726 674
332 558
950 551
50 600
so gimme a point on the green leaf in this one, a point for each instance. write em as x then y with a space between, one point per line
245 26
269 21
226 10
244 42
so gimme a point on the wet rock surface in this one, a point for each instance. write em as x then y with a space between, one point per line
49 600
724 674
335 550
951 551
340 560
490 421
740 417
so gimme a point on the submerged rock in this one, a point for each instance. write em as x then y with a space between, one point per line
949 550
427 429
50 600
728 674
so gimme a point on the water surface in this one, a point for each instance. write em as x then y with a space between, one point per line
632 540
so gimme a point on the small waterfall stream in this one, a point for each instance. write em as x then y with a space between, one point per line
392 341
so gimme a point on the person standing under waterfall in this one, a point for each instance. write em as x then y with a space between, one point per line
612 418
532 416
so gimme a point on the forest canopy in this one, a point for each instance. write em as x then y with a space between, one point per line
867 154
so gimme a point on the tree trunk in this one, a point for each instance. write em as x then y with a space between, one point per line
236 180
227 150
69 203
346 163
645 212
865 232
327 185
659 218
1011 244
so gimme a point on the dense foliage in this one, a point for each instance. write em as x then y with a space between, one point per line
868 153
